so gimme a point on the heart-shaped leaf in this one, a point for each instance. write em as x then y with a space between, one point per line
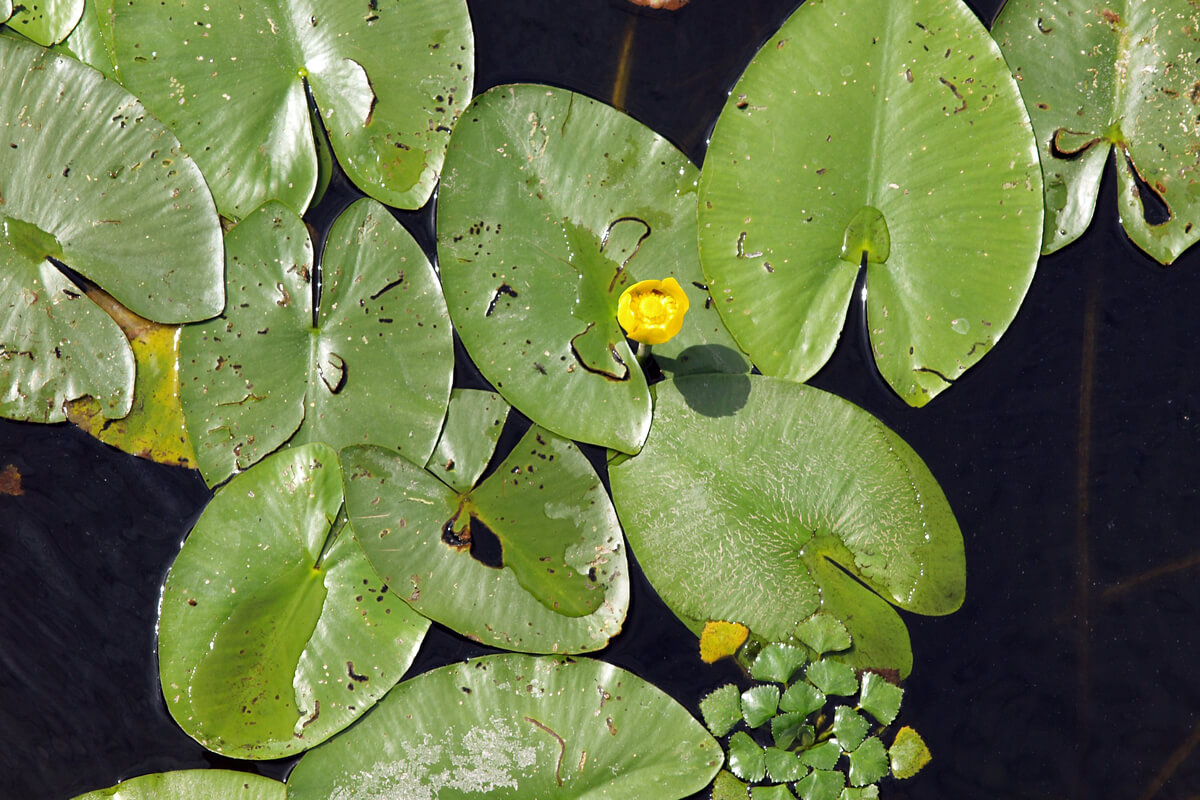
193 784
43 21
772 487
561 584
89 179
273 633
516 726
879 132
1118 75
551 205
390 77
376 366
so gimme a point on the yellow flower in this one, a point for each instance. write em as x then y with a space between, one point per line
651 312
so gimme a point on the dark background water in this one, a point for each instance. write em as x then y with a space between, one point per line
1068 454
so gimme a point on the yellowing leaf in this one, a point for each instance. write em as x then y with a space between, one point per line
908 753
721 639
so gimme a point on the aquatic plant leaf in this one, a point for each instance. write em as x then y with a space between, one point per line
560 584
154 427
474 421
376 366
43 21
824 633
90 41
868 762
789 727
1116 76
92 181
777 662
850 728
273 634
193 784
759 704
720 639
847 496
551 205
746 757
784 765
822 756
908 147
879 698
389 77
832 677
721 709
727 787
860 793
778 792
802 698
516 726
821 784
908 753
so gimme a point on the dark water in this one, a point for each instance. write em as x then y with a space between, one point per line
1069 455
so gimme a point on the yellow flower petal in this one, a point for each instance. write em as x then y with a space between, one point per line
651 312
720 639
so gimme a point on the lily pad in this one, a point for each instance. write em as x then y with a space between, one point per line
1119 76
274 631
375 367
783 486
44 21
551 205
89 179
884 133
515 726
193 784
389 77
560 584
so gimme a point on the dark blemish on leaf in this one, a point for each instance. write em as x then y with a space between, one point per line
335 379
539 368
311 718
503 288
954 90
1155 209
637 246
449 465
354 676
562 745
742 102
191 601
612 350
1042 106
1041 27
386 320
933 371
908 76
459 540
612 729
389 286
767 265
285 297
1195 94
465 689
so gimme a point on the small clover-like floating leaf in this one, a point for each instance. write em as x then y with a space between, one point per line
789 727
850 728
273 633
1120 76
908 753
720 639
759 704
389 77
822 756
879 698
376 366
43 21
777 662
193 784
821 784
832 677
727 787
824 633
868 762
846 495
561 584
551 205
784 765
746 757
89 179
802 698
722 709
516 726
885 132
777 792
860 793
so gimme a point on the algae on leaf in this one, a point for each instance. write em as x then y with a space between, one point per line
878 133
1115 76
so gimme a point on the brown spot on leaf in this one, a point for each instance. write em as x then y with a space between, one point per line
10 481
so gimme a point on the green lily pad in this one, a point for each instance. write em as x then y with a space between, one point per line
43 21
273 634
376 366
777 662
1116 76
868 762
759 704
474 421
722 709
850 728
551 205
842 494
389 77
879 698
747 759
821 785
90 41
516 726
193 784
89 179
562 584
843 142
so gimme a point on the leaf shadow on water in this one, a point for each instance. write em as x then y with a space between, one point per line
704 358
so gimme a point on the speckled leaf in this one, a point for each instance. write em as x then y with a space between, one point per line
845 493
474 421
514 726
1121 76
273 633
43 21
562 584
727 787
376 367
389 76
89 179
154 427
551 205
908 753
890 132
722 709
193 784
746 757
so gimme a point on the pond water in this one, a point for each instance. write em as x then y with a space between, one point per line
1068 454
